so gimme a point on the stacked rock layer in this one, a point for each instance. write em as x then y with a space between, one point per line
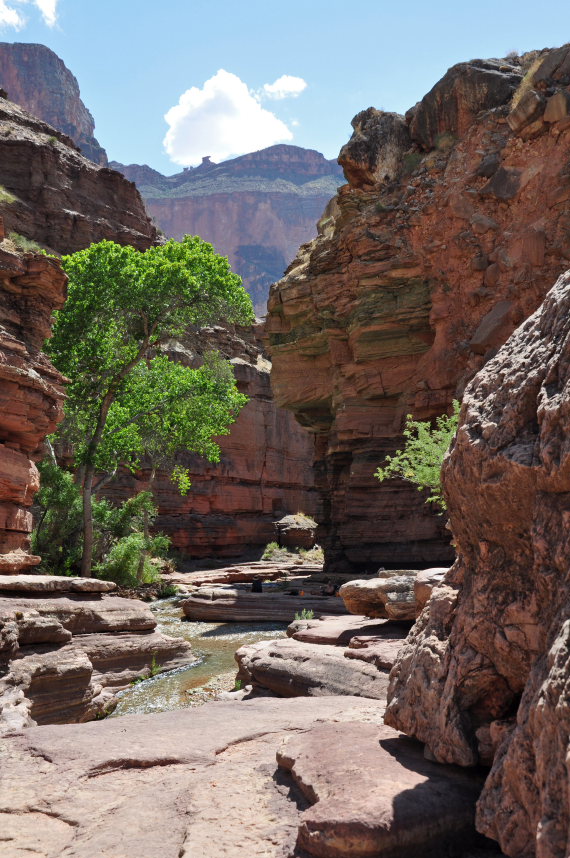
454 225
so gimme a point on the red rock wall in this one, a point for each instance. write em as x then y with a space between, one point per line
57 197
489 657
264 473
427 260
36 79
31 392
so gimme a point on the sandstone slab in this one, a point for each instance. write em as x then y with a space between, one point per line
390 596
290 668
227 604
339 631
373 793
53 584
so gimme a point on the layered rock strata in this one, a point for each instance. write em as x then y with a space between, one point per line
489 655
38 80
240 605
205 782
256 209
31 392
451 230
53 195
67 648
264 473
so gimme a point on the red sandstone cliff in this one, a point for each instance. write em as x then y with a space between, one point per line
31 392
39 81
53 195
453 226
489 657
256 209
264 473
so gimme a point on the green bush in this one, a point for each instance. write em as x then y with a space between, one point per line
305 614
421 458
122 564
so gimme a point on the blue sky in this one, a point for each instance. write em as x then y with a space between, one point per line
135 60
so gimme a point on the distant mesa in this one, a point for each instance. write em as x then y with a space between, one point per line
34 77
256 209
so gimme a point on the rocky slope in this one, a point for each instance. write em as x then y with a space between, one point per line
489 656
452 228
39 81
31 391
265 468
53 195
256 209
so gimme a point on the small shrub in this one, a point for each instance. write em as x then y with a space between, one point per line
421 458
27 245
411 162
122 564
238 685
52 139
154 666
6 196
312 555
166 591
271 549
305 614
527 83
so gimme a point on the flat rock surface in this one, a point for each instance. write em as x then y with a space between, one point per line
85 614
374 794
339 631
53 584
204 782
227 604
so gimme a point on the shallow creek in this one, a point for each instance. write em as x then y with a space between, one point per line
213 645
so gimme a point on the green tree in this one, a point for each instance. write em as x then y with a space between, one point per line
123 306
420 460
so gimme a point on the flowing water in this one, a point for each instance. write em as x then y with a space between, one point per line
213 645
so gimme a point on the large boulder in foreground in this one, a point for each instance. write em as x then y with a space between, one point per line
489 657
205 782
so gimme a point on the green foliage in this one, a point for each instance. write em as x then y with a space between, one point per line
411 161
6 196
118 538
305 614
421 459
238 685
271 549
154 666
27 245
166 591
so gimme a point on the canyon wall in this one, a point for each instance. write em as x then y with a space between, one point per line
39 81
54 196
31 392
489 656
264 472
256 209
452 227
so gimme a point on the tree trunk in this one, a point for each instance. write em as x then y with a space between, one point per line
86 559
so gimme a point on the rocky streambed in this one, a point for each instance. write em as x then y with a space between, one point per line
214 670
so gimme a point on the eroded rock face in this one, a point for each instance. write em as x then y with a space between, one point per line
59 198
31 392
256 209
38 80
489 655
265 469
409 289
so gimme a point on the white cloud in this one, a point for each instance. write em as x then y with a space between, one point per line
223 118
11 17
286 86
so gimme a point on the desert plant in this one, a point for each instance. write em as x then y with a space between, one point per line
305 614
420 460
27 245
271 549
6 196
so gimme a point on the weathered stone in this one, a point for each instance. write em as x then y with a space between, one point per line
425 581
390 596
296 531
373 154
557 107
464 91
176 784
38 80
339 631
397 804
530 107
493 328
493 639
53 584
227 604
290 668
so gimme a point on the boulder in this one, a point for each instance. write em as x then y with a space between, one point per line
390 596
425 581
375 151
489 657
